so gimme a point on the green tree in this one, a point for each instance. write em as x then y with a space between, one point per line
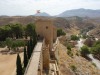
2 43
28 50
34 41
9 43
96 43
17 30
3 34
84 51
31 46
18 66
8 30
74 37
60 32
25 58
29 30
17 43
11 30
35 37
96 49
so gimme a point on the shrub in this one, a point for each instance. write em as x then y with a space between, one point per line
84 50
77 54
70 53
96 43
2 44
69 47
84 36
60 32
94 64
74 37
9 42
96 49
73 68
17 43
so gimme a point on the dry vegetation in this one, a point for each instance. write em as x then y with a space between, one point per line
95 32
81 65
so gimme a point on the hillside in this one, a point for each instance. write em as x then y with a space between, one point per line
82 65
16 19
71 25
81 13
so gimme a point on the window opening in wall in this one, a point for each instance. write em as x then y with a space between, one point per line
46 27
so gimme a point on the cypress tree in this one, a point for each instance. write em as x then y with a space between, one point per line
34 39
31 46
34 42
18 66
28 50
35 36
25 58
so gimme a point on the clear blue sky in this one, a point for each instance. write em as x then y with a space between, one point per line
53 7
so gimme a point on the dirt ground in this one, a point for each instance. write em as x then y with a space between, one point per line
83 66
8 64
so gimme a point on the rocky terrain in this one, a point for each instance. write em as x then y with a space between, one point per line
76 64
95 32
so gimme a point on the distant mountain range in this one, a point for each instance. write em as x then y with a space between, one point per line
70 13
42 14
75 12
81 13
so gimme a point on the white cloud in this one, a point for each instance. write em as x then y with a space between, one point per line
53 7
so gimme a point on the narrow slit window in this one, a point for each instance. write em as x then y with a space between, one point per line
46 27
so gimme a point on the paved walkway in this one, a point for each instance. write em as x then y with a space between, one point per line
34 62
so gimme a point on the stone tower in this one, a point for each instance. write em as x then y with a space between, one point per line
46 29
